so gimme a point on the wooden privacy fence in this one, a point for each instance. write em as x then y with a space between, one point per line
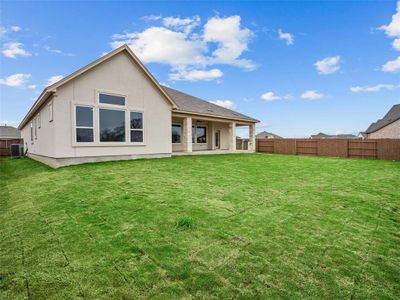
5 146
372 149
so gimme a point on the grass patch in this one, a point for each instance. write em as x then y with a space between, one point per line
184 223
267 226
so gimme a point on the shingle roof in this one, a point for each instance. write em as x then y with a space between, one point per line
9 132
392 115
188 103
322 135
263 134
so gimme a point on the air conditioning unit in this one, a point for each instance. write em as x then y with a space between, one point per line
16 150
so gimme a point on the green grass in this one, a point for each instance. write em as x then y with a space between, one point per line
225 226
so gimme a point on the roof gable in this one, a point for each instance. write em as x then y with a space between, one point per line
48 91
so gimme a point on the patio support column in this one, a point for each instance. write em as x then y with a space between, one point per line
212 135
252 137
187 134
232 136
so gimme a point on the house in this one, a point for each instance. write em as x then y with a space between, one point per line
267 135
8 135
386 128
322 135
114 109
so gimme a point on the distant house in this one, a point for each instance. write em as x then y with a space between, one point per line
386 128
267 135
9 132
8 135
322 135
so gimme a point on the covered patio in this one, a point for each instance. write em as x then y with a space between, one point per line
207 135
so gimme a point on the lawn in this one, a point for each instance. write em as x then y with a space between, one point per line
224 226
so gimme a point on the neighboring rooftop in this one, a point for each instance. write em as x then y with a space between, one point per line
322 135
9 132
189 103
267 135
392 116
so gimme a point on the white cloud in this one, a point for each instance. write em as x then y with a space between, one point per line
9 123
186 24
32 86
54 79
270 96
286 36
328 65
393 28
14 49
15 80
5 30
185 47
162 45
196 75
396 44
311 95
232 41
375 88
392 66
225 103
57 51
151 18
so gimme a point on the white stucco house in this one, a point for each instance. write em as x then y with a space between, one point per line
114 109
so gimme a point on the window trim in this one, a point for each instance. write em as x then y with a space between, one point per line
195 135
35 127
180 125
31 129
51 111
39 120
85 127
110 93
143 126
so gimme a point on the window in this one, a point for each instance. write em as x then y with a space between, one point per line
32 131
176 133
84 124
51 111
39 120
111 99
35 123
112 125
199 134
136 127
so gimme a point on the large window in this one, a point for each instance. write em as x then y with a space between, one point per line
112 125
176 133
199 134
111 99
136 127
84 124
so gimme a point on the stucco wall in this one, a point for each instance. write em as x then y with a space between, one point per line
118 75
392 131
44 143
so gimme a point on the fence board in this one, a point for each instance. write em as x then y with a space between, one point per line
5 146
370 149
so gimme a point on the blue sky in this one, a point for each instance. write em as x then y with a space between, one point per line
299 67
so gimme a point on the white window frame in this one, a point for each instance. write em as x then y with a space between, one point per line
113 107
194 136
39 120
51 111
130 129
181 126
85 127
111 93
31 131
35 127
